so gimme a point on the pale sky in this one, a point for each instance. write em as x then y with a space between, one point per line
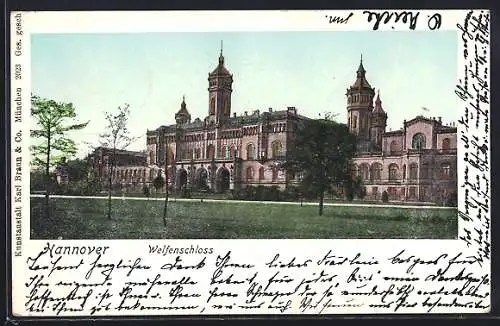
308 70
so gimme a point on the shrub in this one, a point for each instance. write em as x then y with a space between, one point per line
273 194
260 193
145 191
186 192
291 193
250 193
451 201
385 197
158 182
362 193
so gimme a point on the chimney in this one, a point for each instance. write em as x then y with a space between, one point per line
270 109
440 120
246 113
234 115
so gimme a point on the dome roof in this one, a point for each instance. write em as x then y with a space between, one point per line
183 113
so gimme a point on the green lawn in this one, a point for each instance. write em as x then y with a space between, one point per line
134 219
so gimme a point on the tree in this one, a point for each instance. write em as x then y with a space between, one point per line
78 169
321 154
53 120
117 137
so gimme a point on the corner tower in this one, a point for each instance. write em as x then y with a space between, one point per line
220 83
378 122
360 104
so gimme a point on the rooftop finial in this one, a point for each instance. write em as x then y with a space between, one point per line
183 98
361 70
221 57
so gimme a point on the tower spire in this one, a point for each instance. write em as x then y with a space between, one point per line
221 57
361 70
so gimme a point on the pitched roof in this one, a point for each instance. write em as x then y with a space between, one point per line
378 105
361 81
220 69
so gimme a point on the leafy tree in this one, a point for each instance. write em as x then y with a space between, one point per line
116 137
52 122
322 155
78 169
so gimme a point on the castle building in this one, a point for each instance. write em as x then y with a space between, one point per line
227 151
416 163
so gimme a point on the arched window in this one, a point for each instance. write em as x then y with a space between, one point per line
413 171
170 155
418 141
376 171
404 171
276 148
424 171
250 152
354 122
227 153
232 152
445 143
393 171
249 173
394 148
364 171
445 171
212 105
261 173
211 151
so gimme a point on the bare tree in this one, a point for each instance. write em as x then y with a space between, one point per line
116 137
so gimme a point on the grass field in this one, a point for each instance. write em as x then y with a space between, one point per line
135 219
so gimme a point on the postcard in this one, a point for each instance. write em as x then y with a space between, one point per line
250 162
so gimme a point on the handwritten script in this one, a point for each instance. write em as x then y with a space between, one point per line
98 283
474 92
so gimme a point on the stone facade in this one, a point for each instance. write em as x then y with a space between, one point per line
225 151
416 163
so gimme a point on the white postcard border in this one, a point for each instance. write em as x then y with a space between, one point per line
256 251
